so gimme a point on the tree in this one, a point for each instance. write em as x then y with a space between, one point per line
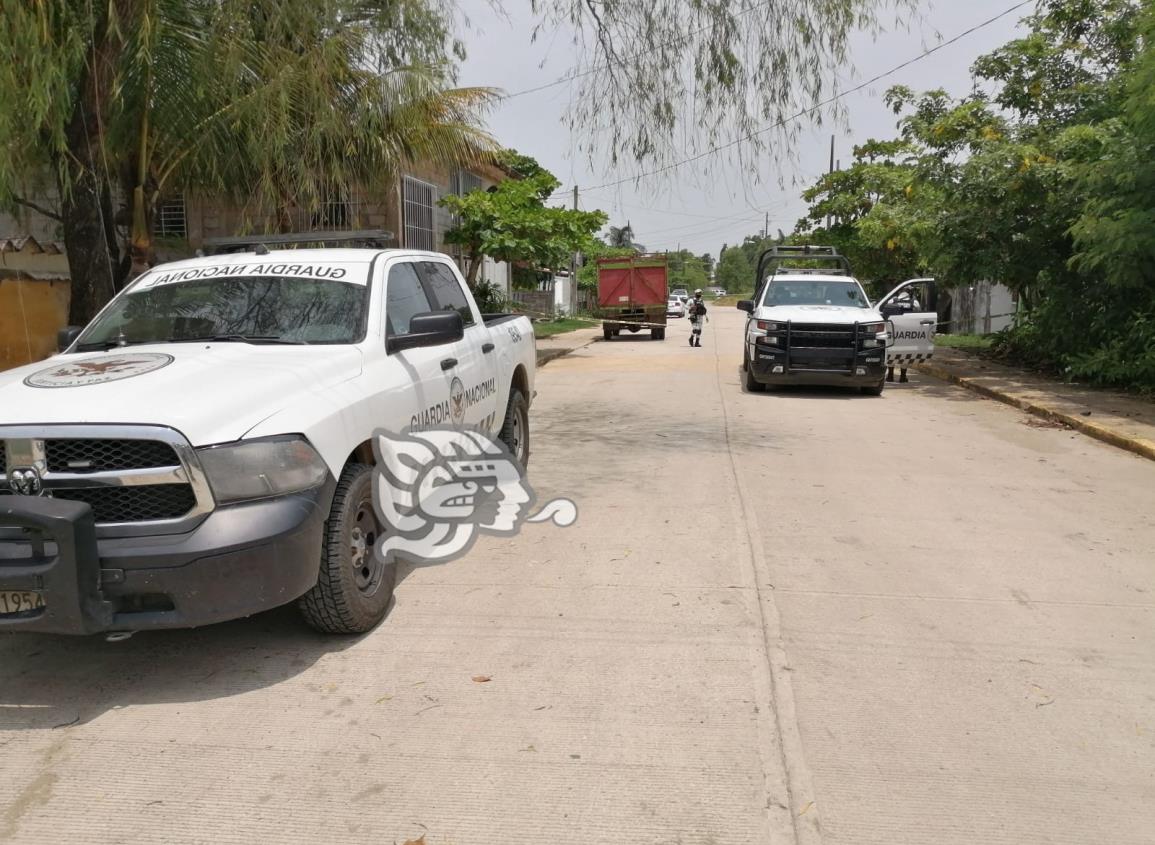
1040 180
686 270
735 273
274 104
588 272
656 73
707 263
511 222
874 212
621 237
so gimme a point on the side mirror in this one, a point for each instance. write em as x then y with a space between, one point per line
435 328
67 336
746 305
889 311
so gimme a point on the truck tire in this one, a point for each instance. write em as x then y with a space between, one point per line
354 587
607 333
515 428
876 389
745 358
752 384
657 334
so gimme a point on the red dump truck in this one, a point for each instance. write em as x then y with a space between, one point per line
632 295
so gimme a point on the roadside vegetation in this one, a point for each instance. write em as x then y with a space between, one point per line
282 105
1041 178
558 326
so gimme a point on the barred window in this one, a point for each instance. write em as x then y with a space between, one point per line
463 182
417 202
170 220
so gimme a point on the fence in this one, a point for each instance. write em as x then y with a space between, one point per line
537 303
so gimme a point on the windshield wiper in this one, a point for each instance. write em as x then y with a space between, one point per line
237 338
111 344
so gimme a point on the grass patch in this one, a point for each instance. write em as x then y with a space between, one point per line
730 300
555 327
964 341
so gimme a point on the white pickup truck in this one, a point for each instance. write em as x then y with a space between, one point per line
808 325
202 450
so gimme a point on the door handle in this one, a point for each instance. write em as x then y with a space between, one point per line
448 364
926 322
487 347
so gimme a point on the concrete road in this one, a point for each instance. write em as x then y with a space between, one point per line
798 617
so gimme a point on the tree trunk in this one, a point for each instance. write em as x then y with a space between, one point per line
475 261
140 241
85 181
89 231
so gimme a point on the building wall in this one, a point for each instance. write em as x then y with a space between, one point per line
31 312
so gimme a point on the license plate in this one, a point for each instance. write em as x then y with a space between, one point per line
20 601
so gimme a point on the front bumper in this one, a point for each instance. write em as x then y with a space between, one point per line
241 560
770 365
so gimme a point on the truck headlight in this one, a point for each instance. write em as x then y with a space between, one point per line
875 334
258 469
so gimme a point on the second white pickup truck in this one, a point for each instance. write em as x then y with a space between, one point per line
202 450
814 326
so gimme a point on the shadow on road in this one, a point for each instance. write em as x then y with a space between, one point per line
55 681
922 385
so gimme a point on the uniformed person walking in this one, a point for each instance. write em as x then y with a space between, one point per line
696 311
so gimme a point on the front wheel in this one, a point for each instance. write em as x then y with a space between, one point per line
875 389
354 586
515 428
752 384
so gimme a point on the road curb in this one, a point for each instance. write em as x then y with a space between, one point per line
544 356
1136 445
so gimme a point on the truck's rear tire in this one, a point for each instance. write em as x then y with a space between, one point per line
515 428
607 332
657 334
354 586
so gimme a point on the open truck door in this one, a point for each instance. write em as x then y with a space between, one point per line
911 312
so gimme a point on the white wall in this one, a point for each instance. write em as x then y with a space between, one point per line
981 308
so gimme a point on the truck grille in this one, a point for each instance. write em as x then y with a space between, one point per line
136 476
821 336
134 504
108 455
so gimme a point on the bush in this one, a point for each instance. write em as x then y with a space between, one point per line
489 297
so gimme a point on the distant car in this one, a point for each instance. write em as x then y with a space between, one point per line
681 294
675 307
717 291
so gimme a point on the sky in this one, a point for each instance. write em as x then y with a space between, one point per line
694 207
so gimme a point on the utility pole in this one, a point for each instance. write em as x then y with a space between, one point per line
573 267
828 173
766 228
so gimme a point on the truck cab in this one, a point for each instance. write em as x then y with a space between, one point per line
815 325
202 450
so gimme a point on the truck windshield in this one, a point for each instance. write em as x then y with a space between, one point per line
815 293
256 309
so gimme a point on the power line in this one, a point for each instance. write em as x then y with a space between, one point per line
820 105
